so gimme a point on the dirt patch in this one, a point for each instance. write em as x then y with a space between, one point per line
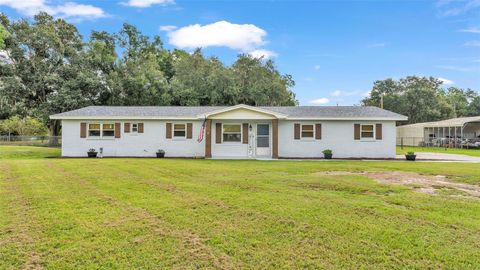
429 184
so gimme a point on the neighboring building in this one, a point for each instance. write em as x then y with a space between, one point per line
456 132
239 131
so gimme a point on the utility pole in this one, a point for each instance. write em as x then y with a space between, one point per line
381 101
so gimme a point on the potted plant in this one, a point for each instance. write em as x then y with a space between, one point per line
160 153
327 154
92 153
410 156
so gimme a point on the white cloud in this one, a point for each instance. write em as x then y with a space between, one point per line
262 53
446 81
377 45
66 10
72 10
319 101
336 93
316 67
455 8
243 37
167 28
455 68
475 30
473 43
147 3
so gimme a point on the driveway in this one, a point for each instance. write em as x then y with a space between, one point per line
425 156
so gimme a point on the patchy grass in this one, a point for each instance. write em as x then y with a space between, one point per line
459 151
179 213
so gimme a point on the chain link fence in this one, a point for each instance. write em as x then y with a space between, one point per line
54 141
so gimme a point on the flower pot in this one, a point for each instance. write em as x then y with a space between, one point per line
327 156
160 155
92 154
410 157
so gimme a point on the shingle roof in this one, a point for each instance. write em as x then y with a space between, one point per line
315 112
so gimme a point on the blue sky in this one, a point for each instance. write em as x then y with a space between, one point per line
334 50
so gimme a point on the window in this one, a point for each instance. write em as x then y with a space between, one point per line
307 131
108 130
97 130
179 130
134 128
232 132
367 132
93 130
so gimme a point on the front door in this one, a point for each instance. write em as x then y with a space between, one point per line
263 140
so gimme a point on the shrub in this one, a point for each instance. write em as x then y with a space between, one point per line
327 152
410 153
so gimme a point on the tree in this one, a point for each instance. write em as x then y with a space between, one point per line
27 126
50 69
260 84
48 73
422 99
3 35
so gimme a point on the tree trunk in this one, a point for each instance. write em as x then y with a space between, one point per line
54 130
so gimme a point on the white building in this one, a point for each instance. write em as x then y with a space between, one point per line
239 131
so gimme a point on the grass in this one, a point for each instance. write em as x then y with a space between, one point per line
459 151
27 152
180 213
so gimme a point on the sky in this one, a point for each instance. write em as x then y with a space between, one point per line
334 50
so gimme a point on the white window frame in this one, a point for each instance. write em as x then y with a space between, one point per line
313 132
367 138
134 131
184 137
241 133
101 137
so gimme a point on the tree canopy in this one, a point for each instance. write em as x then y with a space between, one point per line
423 99
51 69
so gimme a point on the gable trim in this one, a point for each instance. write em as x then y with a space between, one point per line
243 106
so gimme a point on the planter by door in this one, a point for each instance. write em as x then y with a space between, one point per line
328 156
92 154
410 157
160 155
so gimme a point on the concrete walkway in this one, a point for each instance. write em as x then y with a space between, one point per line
425 156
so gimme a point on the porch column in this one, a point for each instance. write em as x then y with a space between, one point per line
208 138
275 138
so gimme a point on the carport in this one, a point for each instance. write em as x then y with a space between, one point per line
461 132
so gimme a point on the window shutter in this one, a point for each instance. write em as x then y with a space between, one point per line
168 135
140 127
189 130
245 133
117 130
318 131
356 133
378 131
218 133
83 130
126 128
296 134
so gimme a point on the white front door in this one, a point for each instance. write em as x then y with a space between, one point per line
262 140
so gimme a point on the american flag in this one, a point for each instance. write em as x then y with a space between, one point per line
200 133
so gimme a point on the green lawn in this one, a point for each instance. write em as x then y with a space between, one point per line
185 214
468 152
